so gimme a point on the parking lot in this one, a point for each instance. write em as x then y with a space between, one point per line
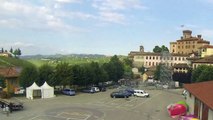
98 106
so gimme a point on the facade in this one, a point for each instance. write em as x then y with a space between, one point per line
187 44
202 61
148 59
206 50
200 99
11 78
184 68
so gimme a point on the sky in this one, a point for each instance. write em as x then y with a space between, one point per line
106 27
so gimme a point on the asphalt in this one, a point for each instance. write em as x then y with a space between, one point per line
98 106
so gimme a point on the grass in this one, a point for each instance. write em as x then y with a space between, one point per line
70 60
10 61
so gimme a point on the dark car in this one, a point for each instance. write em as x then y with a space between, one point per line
130 90
120 94
89 90
70 92
102 88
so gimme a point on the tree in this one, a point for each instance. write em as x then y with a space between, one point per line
11 50
15 52
63 75
28 75
46 73
157 72
2 50
157 49
19 52
164 49
128 62
114 69
202 73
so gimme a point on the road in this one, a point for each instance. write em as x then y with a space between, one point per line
98 106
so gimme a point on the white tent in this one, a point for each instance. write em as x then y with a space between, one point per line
33 91
47 91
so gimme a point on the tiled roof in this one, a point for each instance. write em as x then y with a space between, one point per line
10 72
208 59
193 39
156 54
207 46
181 65
202 91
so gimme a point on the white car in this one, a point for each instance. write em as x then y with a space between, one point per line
140 93
20 90
96 89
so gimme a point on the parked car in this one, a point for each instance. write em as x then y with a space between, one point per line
130 90
120 94
70 92
96 89
19 90
102 88
141 93
89 90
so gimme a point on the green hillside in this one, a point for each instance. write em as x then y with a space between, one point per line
9 61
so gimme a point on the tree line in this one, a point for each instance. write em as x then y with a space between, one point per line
64 74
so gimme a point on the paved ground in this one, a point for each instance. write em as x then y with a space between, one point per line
97 106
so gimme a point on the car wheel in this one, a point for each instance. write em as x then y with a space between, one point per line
114 96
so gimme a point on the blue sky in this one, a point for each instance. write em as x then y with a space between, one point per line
100 26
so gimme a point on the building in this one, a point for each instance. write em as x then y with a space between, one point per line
200 99
10 75
206 50
202 61
183 68
5 54
187 43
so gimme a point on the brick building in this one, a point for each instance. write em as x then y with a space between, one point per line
188 43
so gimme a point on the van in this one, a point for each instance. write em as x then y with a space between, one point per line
140 93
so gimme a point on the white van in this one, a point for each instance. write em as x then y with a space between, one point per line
141 93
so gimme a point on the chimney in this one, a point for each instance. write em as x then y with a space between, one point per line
141 49
187 33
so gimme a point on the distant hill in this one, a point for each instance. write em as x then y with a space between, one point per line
11 62
61 56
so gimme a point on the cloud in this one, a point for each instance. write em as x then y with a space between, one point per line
68 1
113 11
18 14
111 5
112 17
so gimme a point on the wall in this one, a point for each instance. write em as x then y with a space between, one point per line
207 52
190 101
210 114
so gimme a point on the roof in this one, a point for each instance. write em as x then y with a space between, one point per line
10 72
208 59
181 65
202 91
207 46
156 54
194 39
149 73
